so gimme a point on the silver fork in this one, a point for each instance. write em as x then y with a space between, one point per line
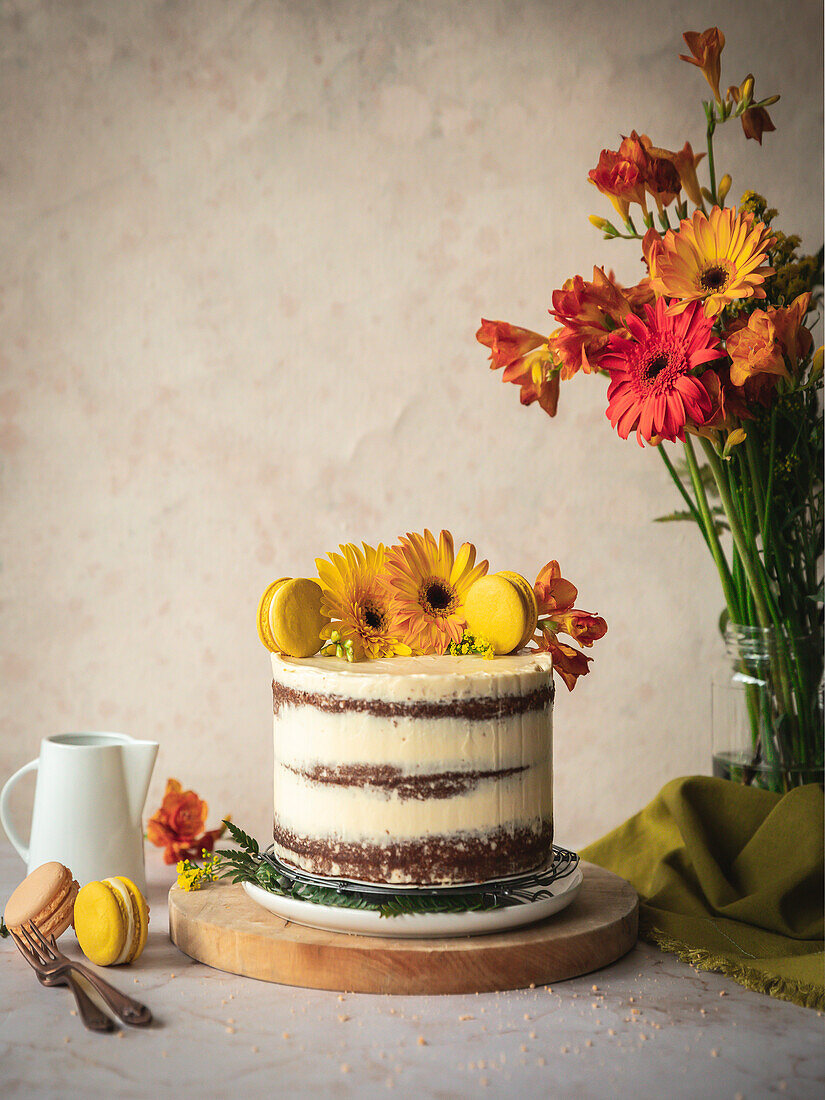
54 964
92 1016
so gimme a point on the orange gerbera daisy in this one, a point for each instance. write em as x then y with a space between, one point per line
712 259
430 583
359 602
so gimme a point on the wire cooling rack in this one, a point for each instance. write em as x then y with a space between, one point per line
514 890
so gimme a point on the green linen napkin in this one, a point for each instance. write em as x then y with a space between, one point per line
731 879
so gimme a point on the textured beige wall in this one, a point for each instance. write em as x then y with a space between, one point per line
245 250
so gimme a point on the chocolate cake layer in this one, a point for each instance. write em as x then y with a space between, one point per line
429 860
392 780
489 707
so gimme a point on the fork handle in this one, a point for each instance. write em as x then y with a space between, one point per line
127 1010
91 1014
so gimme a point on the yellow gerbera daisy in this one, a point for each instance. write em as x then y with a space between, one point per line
431 583
359 602
713 259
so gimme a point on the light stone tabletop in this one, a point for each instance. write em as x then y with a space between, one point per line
649 1026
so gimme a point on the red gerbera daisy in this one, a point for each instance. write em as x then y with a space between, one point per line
653 389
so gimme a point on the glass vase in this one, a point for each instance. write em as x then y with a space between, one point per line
767 709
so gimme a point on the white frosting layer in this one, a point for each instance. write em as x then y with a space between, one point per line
305 737
405 679
363 814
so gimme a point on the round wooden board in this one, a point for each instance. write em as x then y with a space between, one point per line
222 927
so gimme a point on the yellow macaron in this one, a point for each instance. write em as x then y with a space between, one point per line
529 595
290 620
496 610
264 604
111 919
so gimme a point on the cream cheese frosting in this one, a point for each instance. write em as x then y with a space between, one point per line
126 905
413 769
403 679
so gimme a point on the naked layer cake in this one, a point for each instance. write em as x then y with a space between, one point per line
414 770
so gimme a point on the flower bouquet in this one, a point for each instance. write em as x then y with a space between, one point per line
713 348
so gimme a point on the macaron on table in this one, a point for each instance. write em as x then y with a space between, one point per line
46 897
111 920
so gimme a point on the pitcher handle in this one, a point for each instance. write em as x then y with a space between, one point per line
5 817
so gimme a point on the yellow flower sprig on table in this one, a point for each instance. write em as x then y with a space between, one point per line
193 877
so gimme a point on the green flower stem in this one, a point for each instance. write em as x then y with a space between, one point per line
756 481
709 527
711 117
788 655
759 586
755 582
677 481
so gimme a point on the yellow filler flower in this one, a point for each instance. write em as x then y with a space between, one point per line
714 259
360 603
431 583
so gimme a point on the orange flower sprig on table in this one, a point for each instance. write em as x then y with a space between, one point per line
714 343
178 826
555 597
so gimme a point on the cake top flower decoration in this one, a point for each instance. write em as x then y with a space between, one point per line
430 583
365 616
418 597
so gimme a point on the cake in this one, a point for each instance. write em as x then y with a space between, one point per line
431 769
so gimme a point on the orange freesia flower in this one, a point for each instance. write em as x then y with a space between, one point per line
582 627
754 349
727 405
706 49
555 597
178 825
638 168
508 343
527 359
755 120
662 180
794 338
588 312
685 163
714 259
430 583
621 176
651 248
568 663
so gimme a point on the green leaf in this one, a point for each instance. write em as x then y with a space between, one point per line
246 842
684 516
246 864
675 517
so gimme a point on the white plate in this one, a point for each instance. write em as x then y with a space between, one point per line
367 922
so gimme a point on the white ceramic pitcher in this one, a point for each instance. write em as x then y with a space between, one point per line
88 805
